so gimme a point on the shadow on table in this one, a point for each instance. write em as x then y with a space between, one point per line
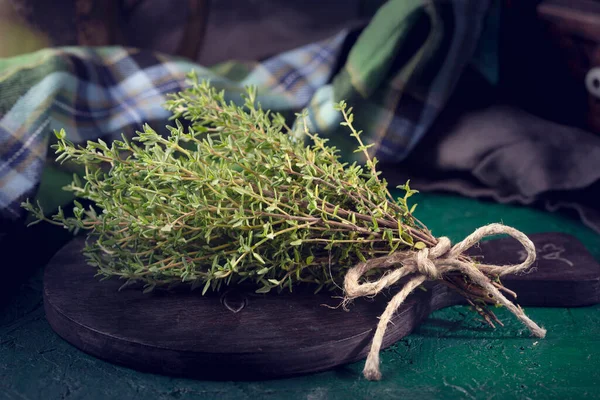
458 329
25 251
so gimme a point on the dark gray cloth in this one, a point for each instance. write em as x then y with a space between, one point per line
243 30
508 155
217 30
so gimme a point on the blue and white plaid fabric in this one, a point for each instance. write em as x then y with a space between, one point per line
100 93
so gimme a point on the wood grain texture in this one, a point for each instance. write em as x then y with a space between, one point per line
240 335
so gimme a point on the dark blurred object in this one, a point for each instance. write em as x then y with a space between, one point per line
19 261
575 28
71 22
548 49
207 31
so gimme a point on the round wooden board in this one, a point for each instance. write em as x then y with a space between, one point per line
232 335
242 335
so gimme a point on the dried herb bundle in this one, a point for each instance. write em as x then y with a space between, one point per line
233 197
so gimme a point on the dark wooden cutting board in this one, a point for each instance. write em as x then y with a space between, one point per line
238 334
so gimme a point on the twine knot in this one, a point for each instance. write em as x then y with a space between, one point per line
424 258
431 264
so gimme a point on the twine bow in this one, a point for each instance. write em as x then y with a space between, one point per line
431 264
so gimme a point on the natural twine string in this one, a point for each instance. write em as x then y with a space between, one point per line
433 263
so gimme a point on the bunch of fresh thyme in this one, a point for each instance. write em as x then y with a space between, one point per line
233 197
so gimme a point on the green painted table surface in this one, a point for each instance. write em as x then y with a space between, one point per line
452 355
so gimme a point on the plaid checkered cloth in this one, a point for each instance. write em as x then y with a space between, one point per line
398 75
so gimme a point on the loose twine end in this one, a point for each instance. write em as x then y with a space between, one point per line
432 264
